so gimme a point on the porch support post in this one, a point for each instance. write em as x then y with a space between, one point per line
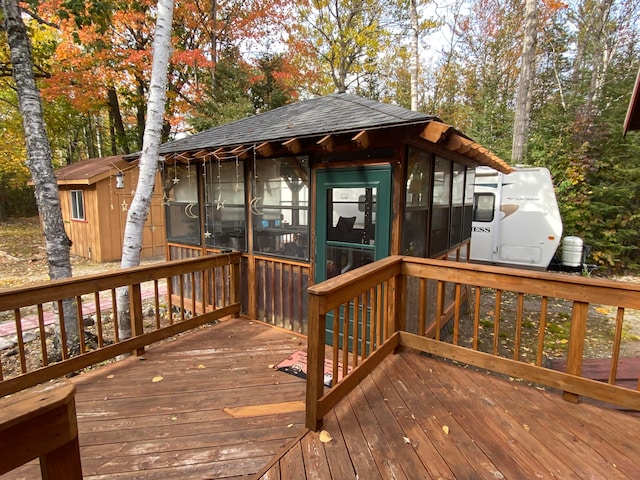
315 362
235 285
400 307
576 345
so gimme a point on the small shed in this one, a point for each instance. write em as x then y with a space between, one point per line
317 188
95 196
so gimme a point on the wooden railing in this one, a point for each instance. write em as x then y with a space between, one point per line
41 423
402 301
164 299
280 287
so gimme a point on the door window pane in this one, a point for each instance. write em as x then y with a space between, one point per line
352 215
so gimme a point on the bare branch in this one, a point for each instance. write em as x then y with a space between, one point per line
38 18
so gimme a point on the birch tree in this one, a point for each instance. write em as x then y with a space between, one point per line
39 157
148 164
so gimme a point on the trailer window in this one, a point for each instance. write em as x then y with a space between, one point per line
483 207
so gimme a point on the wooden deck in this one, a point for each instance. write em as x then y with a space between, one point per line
215 410
421 417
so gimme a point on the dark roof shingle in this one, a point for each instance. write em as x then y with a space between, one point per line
331 114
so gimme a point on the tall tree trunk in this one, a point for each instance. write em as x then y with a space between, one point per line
214 42
118 124
525 84
140 118
39 157
148 164
415 55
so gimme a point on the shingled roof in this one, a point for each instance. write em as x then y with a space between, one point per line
326 117
331 114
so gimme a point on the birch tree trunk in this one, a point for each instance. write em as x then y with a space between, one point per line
523 97
39 158
415 54
148 164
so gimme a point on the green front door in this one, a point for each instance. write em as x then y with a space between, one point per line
353 224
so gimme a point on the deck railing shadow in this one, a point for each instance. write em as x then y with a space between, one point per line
165 299
397 302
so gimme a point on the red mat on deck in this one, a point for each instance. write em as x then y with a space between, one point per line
296 364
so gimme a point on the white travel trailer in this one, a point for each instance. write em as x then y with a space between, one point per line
516 220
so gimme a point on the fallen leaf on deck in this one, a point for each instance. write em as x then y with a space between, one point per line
406 440
526 427
271 365
445 429
290 425
157 379
201 366
325 437
110 376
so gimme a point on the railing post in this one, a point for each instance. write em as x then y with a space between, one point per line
41 423
235 285
576 344
315 362
135 311
400 311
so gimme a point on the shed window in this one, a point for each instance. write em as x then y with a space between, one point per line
77 205
279 207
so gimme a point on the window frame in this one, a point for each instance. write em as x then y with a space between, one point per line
78 211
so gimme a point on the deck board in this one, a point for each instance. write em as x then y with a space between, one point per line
220 411
177 428
496 428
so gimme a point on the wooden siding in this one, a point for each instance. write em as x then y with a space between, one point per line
99 236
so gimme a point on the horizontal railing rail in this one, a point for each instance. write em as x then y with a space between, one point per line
511 307
164 299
